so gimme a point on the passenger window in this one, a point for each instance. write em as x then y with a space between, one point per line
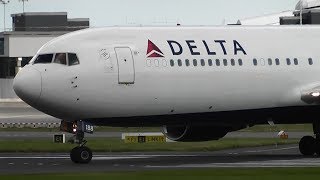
187 62
225 62
171 62
255 62
179 62
277 62
270 61
44 59
240 62
295 61
60 58
233 63
73 59
156 62
195 62
310 61
288 61
202 62
217 62
262 62
210 62
164 63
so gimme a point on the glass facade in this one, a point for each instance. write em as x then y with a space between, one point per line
7 67
1 46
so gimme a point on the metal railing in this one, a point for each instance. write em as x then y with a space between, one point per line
44 28
29 125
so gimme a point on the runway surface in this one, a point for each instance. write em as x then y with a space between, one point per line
269 156
19 112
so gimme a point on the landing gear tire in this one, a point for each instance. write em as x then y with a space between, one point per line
308 146
81 155
73 155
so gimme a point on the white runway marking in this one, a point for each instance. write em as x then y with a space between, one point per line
67 158
250 164
96 157
269 150
115 158
33 157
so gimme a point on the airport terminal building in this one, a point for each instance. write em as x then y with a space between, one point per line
29 32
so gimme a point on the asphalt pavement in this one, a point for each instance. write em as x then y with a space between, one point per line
268 156
20 112
15 163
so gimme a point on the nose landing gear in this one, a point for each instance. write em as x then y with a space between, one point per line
80 154
310 145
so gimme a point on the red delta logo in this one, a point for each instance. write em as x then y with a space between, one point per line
153 51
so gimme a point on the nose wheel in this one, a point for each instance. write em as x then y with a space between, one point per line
81 155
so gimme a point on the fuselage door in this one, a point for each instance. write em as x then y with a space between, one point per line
126 72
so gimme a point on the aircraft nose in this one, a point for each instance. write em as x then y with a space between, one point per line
27 85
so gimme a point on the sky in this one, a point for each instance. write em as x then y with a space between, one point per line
151 12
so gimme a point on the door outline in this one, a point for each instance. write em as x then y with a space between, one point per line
133 65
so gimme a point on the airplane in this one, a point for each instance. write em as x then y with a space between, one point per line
198 83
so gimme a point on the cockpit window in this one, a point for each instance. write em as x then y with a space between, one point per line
70 59
73 59
60 58
43 59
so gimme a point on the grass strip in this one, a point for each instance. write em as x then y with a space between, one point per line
278 127
117 145
189 174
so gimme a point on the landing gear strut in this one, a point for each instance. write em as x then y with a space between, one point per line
310 145
80 154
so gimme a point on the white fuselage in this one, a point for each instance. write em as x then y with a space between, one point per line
104 86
